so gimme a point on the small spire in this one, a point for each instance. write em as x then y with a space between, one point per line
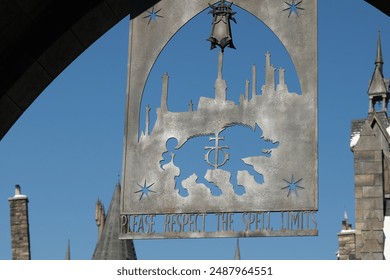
100 215
118 181
345 215
379 58
237 255
378 89
190 106
345 225
67 254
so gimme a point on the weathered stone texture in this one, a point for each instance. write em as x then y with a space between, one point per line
378 156
379 179
368 167
370 175
357 126
365 155
347 248
368 203
365 180
20 234
373 192
372 256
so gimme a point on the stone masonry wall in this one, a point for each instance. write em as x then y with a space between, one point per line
20 234
347 250
369 204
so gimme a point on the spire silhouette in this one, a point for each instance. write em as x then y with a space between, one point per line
109 246
237 255
378 88
379 58
67 254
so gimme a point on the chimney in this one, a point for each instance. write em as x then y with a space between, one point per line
20 233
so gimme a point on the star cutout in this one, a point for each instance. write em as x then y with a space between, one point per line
153 15
144 190
293 7
292 185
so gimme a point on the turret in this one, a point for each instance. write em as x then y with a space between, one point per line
378 90
370 145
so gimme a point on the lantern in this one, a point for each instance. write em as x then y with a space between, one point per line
221 34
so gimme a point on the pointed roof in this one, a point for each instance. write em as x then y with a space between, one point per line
378 85
237 255
67 254
109 246
373 131
379 58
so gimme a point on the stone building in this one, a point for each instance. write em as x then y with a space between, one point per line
370 142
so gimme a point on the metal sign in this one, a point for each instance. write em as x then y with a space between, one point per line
274 190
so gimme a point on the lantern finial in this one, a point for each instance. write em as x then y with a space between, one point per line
221 34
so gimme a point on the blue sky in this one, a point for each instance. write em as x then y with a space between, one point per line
66 149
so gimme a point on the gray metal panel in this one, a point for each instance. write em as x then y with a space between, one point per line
290 173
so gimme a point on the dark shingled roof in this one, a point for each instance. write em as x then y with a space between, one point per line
109 246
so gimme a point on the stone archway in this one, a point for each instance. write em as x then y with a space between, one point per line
39 39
